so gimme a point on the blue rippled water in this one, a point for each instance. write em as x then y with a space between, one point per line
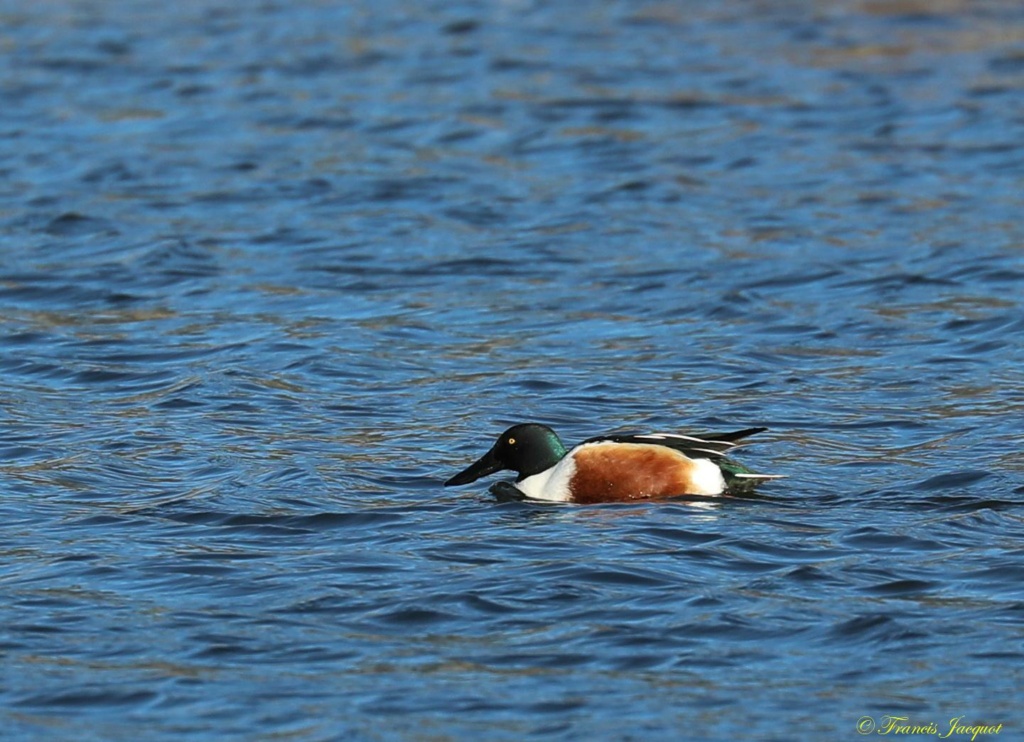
270 273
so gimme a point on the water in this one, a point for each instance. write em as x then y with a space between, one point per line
271 273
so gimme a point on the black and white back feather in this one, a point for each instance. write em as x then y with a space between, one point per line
715 446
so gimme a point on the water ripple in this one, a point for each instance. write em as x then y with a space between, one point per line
272 274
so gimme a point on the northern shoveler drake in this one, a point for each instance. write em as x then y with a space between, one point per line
614 468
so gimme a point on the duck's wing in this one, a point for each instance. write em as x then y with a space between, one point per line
714 446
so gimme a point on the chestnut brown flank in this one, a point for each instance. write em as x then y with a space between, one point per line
629 471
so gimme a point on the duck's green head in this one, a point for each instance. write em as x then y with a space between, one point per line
526 449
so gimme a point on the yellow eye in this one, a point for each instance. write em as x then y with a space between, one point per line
511 441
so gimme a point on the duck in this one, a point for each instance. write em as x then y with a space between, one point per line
615 467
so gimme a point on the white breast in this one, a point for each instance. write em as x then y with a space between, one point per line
552 484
